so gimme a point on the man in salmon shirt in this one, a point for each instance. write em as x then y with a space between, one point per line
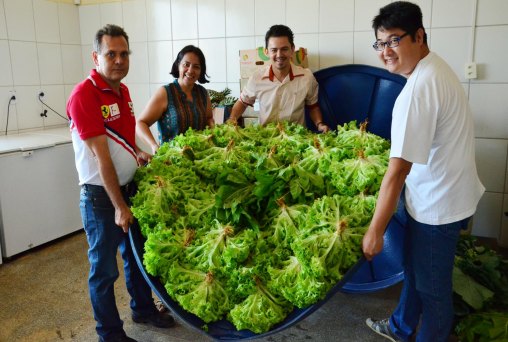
106 155
284 90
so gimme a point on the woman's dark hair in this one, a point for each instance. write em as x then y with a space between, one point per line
108 30
400 14
197 51
279 31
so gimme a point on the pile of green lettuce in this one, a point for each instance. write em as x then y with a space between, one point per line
248 223
480 285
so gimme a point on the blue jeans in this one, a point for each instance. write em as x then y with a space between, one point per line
104 238
427 294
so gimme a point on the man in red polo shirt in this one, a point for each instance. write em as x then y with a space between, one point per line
106 155
283 89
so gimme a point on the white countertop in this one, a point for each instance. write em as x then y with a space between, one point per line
34 139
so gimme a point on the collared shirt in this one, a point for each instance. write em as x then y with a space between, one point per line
95 109
281 101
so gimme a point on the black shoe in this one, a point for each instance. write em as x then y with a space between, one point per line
118 338
158 319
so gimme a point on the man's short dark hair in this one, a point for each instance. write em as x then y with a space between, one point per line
202 62
280 31
400 14
108 30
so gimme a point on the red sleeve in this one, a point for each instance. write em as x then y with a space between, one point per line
84 109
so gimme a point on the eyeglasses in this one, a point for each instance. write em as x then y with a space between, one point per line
393 42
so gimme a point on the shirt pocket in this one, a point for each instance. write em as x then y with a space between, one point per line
296 102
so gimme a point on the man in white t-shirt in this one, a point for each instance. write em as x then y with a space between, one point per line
433 156
283 89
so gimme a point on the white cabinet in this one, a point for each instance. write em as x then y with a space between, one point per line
39 197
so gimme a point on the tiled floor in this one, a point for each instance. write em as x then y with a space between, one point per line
44 298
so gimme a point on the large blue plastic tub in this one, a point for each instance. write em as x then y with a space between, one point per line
362 92
385 269
350 92
358 92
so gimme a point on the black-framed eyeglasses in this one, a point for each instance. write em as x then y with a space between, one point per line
393 42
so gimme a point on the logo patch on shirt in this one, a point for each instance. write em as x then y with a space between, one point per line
115 110
105 111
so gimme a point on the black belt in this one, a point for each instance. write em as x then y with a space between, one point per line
99 188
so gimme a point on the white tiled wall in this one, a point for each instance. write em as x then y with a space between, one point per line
72 71
160 59
19 15
3 25
492 12
215 50
489 102
89 22
68 20
212 19
441 38
335 16
134 19
184 17
25 66
40 50
47 45
302 16
158 19
139 67
462 13
340 51
54 96
267 13
491 159
111 13
28 109
5 65
489 54
365 10
46 21
233 45
239 18
50 63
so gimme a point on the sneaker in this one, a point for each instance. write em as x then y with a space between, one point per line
158 319
382 327
119 338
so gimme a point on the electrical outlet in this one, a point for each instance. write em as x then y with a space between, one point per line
470 70
11 94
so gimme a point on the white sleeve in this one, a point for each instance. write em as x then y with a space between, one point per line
414 122
312 93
